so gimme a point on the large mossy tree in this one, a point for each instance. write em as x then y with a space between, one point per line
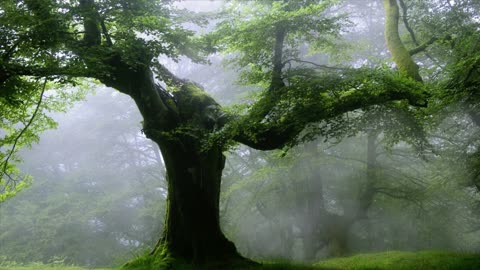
117 43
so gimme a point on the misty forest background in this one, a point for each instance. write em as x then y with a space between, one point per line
96 190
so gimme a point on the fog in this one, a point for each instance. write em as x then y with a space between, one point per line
374 183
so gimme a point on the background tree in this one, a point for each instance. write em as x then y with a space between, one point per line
95 202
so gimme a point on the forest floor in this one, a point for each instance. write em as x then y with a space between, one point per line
391 260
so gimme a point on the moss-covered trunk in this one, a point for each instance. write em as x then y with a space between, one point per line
192 228
401 56
179 122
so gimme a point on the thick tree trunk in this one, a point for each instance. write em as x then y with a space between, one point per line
179 122
192 229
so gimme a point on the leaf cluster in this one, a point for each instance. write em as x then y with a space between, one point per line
248 33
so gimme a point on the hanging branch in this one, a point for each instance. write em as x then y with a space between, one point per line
4 164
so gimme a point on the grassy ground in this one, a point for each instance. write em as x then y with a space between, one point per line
393 260
397 260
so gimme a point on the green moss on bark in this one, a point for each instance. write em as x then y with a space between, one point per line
401 56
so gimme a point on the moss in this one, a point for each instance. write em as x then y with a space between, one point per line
160 260
193 99
196 107
400 54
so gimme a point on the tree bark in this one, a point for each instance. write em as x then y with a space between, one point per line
192 228
179 123
401 56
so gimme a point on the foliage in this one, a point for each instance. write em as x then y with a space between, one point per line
322 107
27 106
94 208
249 32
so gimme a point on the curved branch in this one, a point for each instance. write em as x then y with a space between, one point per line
419 48
422 47
405 22
400 54
268 133
4 163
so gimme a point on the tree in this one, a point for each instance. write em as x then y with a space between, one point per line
117 43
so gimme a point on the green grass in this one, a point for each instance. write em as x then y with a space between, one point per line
392 260
400 260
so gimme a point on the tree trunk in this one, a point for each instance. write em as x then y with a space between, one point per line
401 56
179 122
192 229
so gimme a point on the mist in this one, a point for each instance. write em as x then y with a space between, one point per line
375 179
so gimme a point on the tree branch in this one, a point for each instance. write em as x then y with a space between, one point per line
405 22
5 162
422 47
277 129
313 64
105 33
277 81
398 194
11 70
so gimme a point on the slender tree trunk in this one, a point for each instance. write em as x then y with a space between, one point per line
401 56
367 193
310 201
